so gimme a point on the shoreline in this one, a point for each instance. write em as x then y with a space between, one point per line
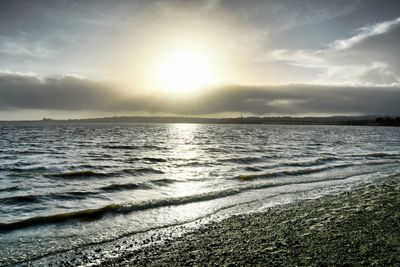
358 227
367 120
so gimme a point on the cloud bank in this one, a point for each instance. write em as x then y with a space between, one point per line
23 92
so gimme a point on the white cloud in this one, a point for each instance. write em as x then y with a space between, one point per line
377 73
23 47
368 57
17 73
364 33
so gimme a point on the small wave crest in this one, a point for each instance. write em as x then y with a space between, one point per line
74 195
122 187
28 169
9 189
140 171
154 160
253 169
23 199
164 182
243 160
381 162
122 147
378 155
146 159
76 174
316 162
57 218
29 152
216 150
244 177
30 199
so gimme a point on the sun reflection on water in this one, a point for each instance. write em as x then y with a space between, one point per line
188 152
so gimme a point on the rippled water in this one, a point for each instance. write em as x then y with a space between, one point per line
65 186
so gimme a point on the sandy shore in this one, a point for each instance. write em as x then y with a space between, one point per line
360 227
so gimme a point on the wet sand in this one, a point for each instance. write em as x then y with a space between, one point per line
359 227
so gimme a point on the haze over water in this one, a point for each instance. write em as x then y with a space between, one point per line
113 180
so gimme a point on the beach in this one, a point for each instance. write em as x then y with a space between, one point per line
360 227
199 133
217 194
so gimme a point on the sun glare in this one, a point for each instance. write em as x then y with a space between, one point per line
185 71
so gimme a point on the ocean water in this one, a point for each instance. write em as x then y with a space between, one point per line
67 186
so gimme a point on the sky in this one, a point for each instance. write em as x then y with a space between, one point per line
208 58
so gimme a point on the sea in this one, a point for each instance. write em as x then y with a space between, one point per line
66 186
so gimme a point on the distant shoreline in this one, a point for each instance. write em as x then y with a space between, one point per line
333 120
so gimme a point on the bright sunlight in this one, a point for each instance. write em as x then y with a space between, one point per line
185 71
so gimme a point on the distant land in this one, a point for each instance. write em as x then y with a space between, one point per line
333 120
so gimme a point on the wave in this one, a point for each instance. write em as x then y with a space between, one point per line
193 163
76 174
9 189
244 177
154 160
27 199
140 171
23 199
77 195
73 195
163 182
253 169
57 218
8 157
30 152
244 160
316 162
133 147
29 169
377 155
315 144
122 187
216 150
131 160
148 159
92 214
122 147
155 147
380 162
87 166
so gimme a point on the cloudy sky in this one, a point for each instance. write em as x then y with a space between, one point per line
74 59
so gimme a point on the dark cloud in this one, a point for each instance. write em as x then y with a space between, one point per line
303 99
73 94
67 93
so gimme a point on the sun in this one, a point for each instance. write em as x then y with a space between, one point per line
185 71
